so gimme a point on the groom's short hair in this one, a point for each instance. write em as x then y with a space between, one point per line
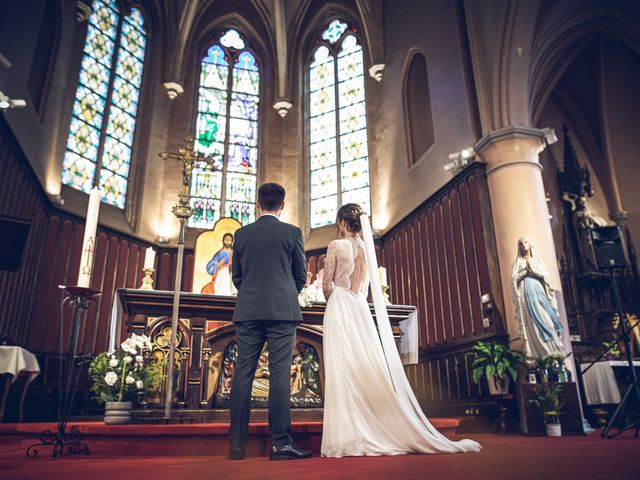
270 196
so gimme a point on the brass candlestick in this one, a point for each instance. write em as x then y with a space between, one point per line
188 157
147 281
385 293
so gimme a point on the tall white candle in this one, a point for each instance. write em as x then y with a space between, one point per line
382 273
89 241
149 258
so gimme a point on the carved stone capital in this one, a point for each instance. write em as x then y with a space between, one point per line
282 107
173 89
83 11
376 71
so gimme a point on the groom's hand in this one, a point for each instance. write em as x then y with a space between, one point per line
299 262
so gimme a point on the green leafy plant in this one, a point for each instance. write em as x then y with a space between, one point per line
549 402
494 359
124 374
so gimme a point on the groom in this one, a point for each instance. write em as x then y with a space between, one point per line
269 269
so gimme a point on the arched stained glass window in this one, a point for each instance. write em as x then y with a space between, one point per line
106 104
227 129
338 150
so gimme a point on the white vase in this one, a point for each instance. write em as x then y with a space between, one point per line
553 429
497 386
117 413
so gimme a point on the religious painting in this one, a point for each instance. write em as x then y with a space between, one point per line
213 256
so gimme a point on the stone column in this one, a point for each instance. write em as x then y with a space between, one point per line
519 209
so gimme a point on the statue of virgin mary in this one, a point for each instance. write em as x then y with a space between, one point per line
535 303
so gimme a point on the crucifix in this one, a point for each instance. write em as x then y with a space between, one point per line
86 268
189 158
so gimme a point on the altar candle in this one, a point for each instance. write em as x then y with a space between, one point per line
89 241
382 273
149 258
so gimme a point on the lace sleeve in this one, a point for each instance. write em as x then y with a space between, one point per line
329 270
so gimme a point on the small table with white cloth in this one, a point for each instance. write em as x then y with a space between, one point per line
14 361
600 383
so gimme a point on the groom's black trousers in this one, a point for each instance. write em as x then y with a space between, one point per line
251 336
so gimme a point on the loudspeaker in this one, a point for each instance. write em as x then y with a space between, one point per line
609 248
13 238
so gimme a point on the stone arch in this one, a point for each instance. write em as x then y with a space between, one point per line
418 116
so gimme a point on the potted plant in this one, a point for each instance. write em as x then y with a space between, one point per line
497 362
120 376
548 402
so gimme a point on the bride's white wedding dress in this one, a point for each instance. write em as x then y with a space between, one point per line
369 406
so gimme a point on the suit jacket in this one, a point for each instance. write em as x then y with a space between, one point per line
269 270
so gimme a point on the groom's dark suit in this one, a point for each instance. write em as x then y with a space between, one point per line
269 269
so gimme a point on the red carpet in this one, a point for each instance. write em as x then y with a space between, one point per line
503 457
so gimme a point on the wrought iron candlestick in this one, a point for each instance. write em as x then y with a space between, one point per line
188 157
80 300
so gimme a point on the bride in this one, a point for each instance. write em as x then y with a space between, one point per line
369 406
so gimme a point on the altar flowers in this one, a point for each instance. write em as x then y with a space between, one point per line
124 374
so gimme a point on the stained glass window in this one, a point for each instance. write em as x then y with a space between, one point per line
227 129
103 124
338 150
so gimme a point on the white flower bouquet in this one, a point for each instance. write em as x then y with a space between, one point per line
122 375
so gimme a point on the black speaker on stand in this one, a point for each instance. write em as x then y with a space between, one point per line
611 255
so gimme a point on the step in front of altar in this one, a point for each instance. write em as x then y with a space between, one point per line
176 439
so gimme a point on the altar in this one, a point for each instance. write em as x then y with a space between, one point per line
206 349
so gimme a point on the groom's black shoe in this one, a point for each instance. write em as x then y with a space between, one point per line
236 453
288 452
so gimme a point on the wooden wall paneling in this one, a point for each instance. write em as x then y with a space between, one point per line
419 284
420 290
401 255
438 325
164 271
492 267
466 327
31 264
445 283
44 279
429 300
412 261
468 240
392 268
452 277
53 322
73 252
119 279
105 301
187 275
478 234
397 270
404 263
132 265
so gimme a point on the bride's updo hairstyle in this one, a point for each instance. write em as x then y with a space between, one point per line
350 213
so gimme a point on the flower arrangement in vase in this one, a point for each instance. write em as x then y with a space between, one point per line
119 377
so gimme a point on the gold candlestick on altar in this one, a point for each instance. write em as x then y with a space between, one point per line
147 281
149 262
188 157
